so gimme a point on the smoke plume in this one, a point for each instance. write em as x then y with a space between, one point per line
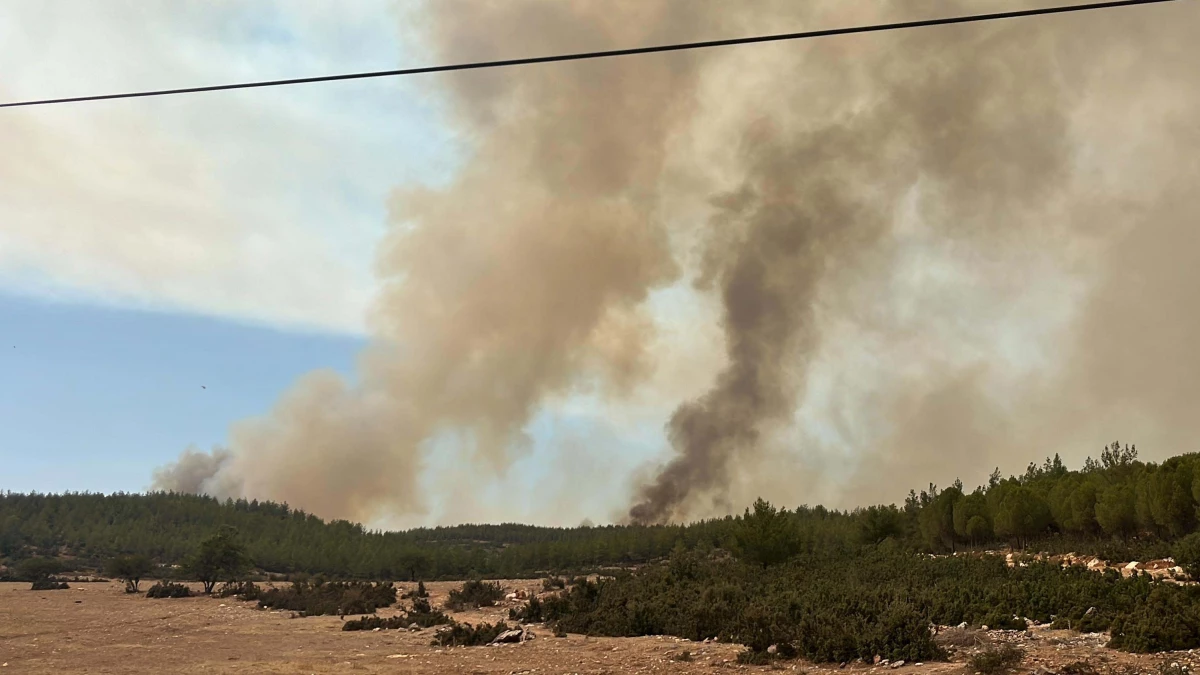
935 251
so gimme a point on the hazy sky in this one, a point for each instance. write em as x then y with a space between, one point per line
170 267
150 247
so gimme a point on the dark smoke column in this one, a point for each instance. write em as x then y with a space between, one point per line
788 218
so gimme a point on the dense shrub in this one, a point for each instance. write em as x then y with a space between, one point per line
373 622
833 610
1187 554
466 635
49 584
168 589
994 660
474 594
1169 619
319 597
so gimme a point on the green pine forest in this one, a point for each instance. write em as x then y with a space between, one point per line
1117 506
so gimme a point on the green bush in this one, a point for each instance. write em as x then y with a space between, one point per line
168 589
466 635
38 569
1168 620
531 612
474 594
245 590
1187 554
373 622
318 597
424 615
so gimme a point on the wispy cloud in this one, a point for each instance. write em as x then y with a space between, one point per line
263 205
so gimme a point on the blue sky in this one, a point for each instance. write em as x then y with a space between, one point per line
149 248
92 398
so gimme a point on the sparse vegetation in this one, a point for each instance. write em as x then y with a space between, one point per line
996 660
418 592
474 594
49 584
168 589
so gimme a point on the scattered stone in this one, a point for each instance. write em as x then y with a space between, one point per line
773 649
510 636
414 627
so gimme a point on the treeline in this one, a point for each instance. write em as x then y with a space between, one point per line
1116 503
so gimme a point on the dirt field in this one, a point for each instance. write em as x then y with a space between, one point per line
97 628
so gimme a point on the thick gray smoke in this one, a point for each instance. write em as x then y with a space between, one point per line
935 251
980 135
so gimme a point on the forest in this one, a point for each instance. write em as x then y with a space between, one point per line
1117 506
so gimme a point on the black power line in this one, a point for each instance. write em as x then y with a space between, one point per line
478 65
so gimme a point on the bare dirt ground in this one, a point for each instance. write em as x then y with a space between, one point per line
97 628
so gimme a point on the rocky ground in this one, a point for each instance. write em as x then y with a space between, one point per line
97 628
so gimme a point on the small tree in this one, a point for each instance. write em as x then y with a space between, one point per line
39 569
766 536
130 569
1116 511
221 557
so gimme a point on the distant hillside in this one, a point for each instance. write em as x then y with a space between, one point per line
1117 501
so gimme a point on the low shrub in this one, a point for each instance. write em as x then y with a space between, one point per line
465 635
531 612
245 590
424 615
49 584
554 584
168 589
318 597
373 622
994 660
474 594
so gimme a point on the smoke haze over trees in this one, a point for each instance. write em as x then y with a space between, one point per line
1117 506
924 254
